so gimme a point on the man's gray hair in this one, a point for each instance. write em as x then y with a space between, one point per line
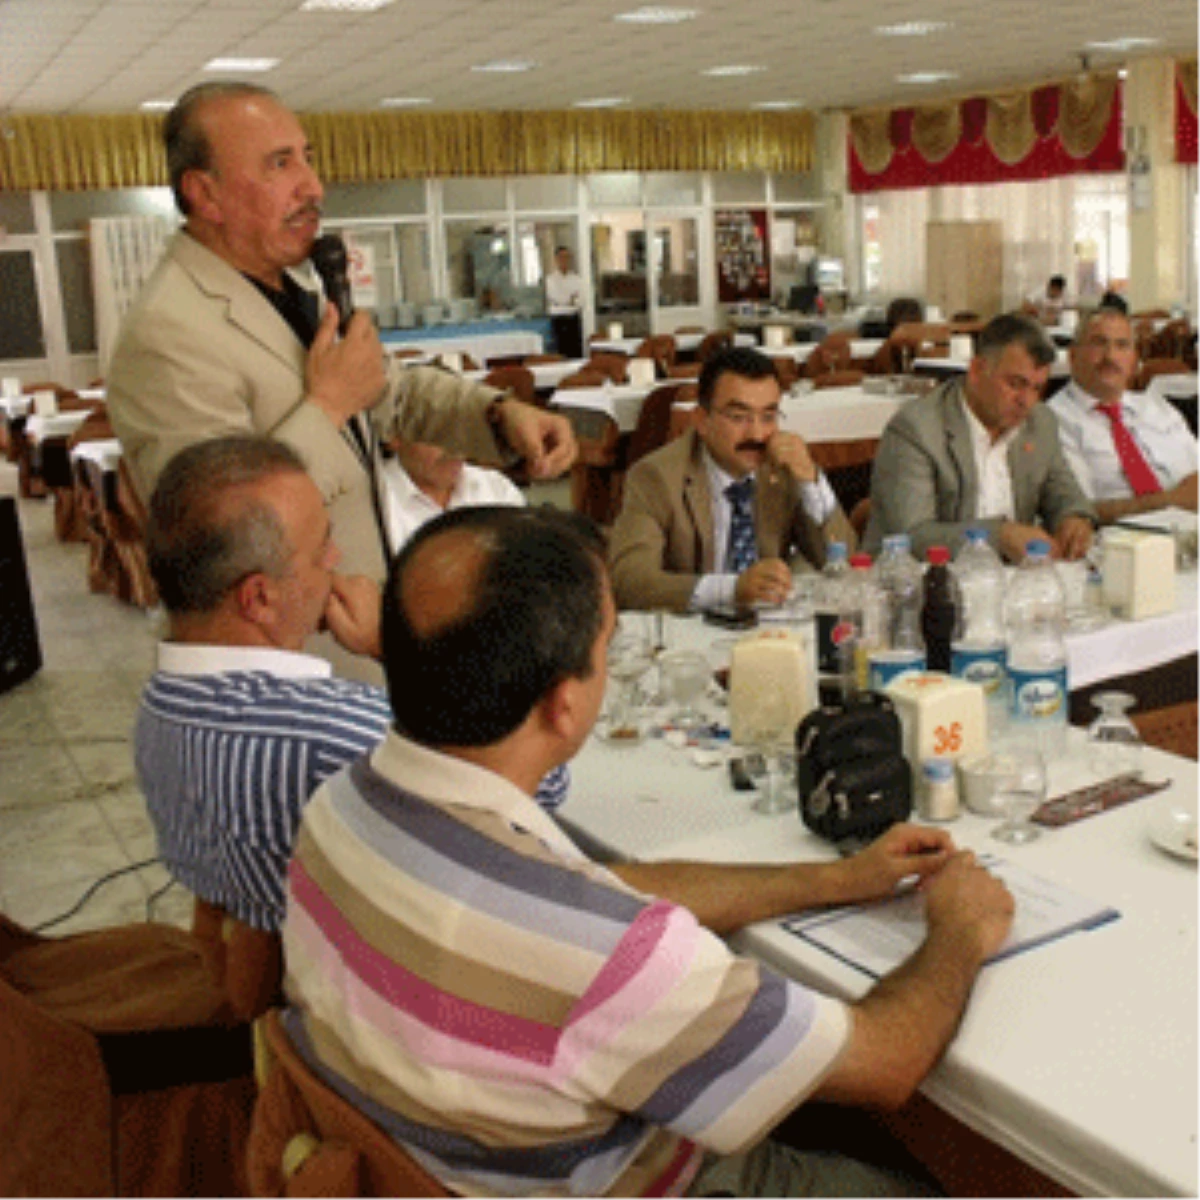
186 143
207 531
1094 314
1015 329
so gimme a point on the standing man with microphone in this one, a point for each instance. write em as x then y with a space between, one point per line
223 339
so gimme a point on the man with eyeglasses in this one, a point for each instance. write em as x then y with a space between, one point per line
722 515
981 451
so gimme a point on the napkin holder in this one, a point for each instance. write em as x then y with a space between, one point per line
45 404
941 716
615 331
10 387
1139 573
961 347
771 684
640 371
774 336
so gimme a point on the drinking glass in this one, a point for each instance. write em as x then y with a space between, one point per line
685 676
1020 787
1114 744
629 658
777 750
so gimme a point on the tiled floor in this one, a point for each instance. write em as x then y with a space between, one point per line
70 809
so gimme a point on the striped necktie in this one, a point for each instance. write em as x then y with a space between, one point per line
743 550
1133 462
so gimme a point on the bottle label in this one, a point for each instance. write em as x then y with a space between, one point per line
982 665
887 665
1038 695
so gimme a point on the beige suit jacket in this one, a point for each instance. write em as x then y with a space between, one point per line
662 541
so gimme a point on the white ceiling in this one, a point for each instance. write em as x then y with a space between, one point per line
111 55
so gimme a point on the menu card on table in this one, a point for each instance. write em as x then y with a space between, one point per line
877 938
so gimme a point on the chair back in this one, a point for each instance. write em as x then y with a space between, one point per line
306 1140
832 354
245 963
585 377
653 427
518 380
530 360
836 379
661 348
612 365
712 342
1158 366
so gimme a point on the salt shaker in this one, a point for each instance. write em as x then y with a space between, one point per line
938 798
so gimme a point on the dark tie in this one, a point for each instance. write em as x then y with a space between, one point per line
743 552
1133 462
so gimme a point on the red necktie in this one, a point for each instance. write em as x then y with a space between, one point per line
1133 462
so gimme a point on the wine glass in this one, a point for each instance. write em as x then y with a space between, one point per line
629 658
1114 744
685 676
1020 788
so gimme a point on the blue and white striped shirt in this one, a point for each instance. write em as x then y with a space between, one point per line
230 743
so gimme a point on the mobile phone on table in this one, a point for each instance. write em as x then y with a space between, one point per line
731 616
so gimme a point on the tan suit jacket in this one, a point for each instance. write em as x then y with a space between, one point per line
203 353
662 541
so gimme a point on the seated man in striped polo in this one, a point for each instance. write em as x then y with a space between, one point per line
237 726
523 1020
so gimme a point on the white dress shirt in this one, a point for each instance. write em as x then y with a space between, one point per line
995 498
1156 425
407 508
719 589
564 292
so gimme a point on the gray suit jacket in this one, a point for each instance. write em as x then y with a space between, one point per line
924 483
662 541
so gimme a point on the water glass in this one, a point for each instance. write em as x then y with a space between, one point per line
629 659
1114 743
685 676
1020 788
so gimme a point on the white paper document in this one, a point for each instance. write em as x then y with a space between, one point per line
877 938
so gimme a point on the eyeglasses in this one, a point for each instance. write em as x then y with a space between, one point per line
743 418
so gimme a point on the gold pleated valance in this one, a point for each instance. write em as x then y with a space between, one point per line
68 153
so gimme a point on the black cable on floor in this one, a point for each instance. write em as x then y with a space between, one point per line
149 862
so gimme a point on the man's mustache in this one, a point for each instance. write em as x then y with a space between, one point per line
758 447
305 210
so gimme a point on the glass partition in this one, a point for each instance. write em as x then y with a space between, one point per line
479 267
677 262
619 272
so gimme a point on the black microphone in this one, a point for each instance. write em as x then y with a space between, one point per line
329 258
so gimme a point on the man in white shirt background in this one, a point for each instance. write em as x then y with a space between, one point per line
1132 452
421 481
564 300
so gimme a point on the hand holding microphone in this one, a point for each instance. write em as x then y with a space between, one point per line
343 377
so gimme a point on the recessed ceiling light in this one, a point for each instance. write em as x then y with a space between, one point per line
404 101
648 15
343 5
157 105
601 102
927 77
241 64
778 105
1120 45
732 70
912 28
506 66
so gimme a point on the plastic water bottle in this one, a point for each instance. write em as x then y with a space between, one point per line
980 652
940 608
860 627
900 580
1035 614
827 605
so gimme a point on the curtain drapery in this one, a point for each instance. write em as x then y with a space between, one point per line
77 152
1185 112
1073 127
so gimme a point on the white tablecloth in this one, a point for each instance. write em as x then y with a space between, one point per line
686 342
838 414
105 453
62 424
545 375
1079 1056
801 352
480 346
16 406
1172 385
622 402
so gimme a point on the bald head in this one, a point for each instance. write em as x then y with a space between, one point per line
486 610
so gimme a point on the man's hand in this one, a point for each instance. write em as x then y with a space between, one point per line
900 853
342 378
353 614
789 450
968 904
1072 538
544 440
1014 537
768 581
1183 494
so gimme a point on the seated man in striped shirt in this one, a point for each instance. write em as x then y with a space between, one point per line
237 726
525 1021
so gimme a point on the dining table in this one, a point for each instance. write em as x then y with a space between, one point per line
1078 1057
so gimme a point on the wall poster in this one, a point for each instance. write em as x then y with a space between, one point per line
743 255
